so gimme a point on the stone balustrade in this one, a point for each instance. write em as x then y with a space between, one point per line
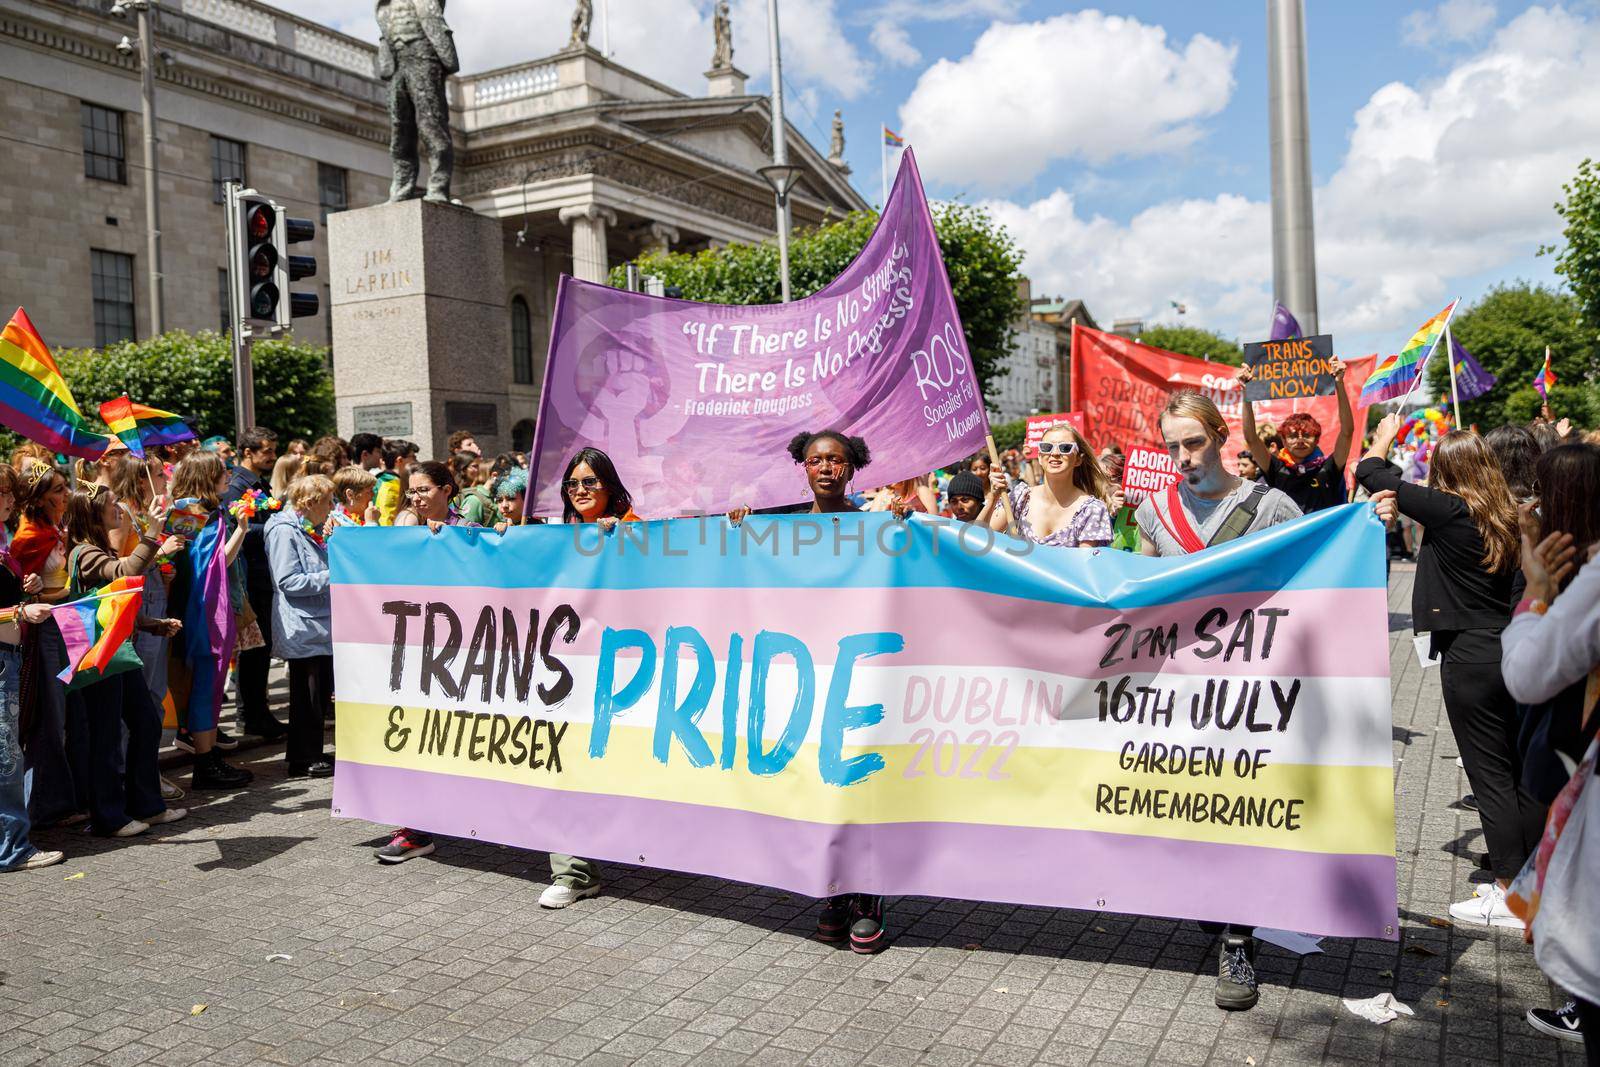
497 88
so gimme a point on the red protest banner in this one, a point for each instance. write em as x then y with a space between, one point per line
1039 425
1144 471
1121 386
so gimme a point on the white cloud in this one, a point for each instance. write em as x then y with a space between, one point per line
668 40
1443 180
1081 85
894 43
1453 20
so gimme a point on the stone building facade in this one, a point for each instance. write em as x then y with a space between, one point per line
1036 379
583 162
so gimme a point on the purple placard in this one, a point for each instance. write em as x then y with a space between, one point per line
696 403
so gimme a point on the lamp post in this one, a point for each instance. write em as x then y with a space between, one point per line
780 175
152 175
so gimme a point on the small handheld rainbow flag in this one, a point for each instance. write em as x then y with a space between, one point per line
1545 380
1396 375
34 398
892 139
95 627
139 425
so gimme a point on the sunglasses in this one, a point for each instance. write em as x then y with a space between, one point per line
572 485
818 462
1060 448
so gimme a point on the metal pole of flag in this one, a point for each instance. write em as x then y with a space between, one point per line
883 166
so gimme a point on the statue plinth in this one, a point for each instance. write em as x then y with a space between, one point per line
420 329
725 81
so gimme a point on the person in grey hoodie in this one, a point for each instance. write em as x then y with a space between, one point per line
302 613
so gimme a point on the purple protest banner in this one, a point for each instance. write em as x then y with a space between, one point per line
1284 324
1472 381
696 403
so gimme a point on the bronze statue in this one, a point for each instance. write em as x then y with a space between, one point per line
416 53
722 28
582 16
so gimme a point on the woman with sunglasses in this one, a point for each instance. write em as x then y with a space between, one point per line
429 496
1067 508
591 491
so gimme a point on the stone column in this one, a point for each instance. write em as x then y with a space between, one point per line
589 222
658 238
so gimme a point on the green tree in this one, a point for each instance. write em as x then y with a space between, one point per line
1009 434
1579 260
191 375
1194 341
1507 331
982 260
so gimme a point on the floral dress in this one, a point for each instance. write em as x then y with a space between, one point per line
1090 521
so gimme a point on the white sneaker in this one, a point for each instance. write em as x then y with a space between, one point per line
560 895
1488 908
133 829
41 859
169 790
170 815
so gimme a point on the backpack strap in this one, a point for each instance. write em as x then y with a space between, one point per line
1240 518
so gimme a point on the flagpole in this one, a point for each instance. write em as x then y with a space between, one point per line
1422 365
883 166
1450 361
1544 393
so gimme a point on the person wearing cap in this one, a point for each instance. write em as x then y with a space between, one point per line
966 500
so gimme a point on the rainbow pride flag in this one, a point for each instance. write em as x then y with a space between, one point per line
1545 380
852 704
1396 375
95 627
892 139
138 425
34 398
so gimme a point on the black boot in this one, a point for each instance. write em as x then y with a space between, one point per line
866 933
834 921
210 772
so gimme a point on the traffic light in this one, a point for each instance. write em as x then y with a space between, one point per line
292 268
260 266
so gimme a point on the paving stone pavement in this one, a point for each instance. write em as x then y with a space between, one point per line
110 958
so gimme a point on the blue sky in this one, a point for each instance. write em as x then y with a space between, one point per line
1125 146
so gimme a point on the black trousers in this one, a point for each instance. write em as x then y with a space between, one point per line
1484 719
310 699
254 663
1589 1015
115 785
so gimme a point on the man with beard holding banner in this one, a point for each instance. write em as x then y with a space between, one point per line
1205 508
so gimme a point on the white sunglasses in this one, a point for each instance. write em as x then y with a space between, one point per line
1060 448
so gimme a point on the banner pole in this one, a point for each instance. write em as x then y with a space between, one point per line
1005 499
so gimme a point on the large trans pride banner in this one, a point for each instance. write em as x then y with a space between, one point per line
865 705
696 403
